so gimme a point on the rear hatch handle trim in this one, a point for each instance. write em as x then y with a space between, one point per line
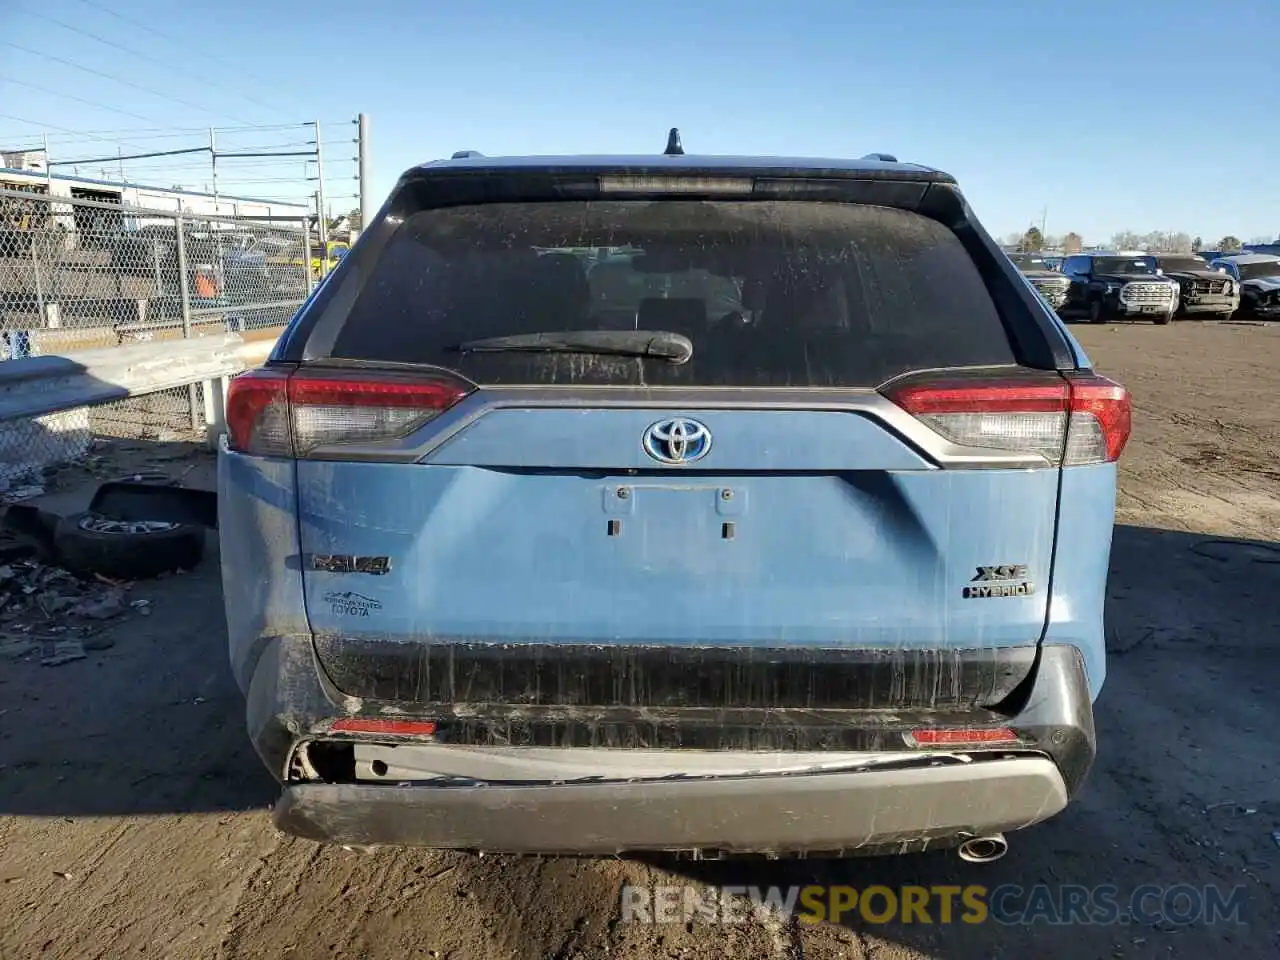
934 447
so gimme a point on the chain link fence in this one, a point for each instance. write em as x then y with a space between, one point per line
86 274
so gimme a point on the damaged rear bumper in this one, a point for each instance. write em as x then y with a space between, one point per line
812 811
462 790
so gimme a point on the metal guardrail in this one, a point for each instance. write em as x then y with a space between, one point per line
53 409
40 385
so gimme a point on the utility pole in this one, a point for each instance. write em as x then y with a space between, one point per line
1044 219
213 163
48 167
362 159
323 216
320 230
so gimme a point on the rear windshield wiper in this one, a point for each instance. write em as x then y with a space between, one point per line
660 344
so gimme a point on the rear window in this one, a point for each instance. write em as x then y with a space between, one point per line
771 293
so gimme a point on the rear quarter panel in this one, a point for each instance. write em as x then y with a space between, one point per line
1086 520
258 542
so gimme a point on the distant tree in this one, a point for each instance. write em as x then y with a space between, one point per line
1160 241
1197 243
1032 240
1229 244
1072 243
1126 240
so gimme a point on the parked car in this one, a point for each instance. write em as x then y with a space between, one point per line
1201 288
1107 286
1051 284
515 562
1258 275
222 265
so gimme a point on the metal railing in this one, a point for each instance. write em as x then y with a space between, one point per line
130 295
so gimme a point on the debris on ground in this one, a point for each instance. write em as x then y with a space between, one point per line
14 494
103 607
11 648
64 651
48 611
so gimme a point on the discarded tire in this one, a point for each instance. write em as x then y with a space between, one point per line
87 543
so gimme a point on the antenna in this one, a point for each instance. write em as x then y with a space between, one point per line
674 148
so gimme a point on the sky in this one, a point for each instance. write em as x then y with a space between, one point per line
1098 117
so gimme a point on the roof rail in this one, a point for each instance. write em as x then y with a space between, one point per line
466 154
885 157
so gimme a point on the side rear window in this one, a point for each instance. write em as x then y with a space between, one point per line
771 293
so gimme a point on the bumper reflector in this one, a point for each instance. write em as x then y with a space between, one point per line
960 736
409 728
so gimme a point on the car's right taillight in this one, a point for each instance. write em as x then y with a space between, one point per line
1072 420
281 413
1101 420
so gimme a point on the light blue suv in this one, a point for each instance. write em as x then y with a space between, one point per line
604 504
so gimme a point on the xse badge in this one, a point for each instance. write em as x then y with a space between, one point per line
1001 580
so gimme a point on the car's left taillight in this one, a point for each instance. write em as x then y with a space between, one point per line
284 413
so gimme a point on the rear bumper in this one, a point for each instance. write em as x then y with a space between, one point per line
904 798
810 812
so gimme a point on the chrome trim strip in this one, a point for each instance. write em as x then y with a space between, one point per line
863 402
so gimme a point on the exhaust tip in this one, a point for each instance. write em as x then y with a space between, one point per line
984 849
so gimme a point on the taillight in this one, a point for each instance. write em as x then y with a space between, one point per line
1071 420
258 413
1101 420
278 413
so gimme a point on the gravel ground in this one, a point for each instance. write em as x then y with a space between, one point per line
133 815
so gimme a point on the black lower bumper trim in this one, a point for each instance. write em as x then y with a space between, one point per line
1051 714
664 676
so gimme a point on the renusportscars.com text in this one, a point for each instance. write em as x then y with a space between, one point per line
1009 904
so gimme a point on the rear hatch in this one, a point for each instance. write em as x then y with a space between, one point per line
843 496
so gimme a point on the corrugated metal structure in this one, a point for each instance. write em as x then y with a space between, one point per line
25 176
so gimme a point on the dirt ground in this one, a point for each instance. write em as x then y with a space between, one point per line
134 816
